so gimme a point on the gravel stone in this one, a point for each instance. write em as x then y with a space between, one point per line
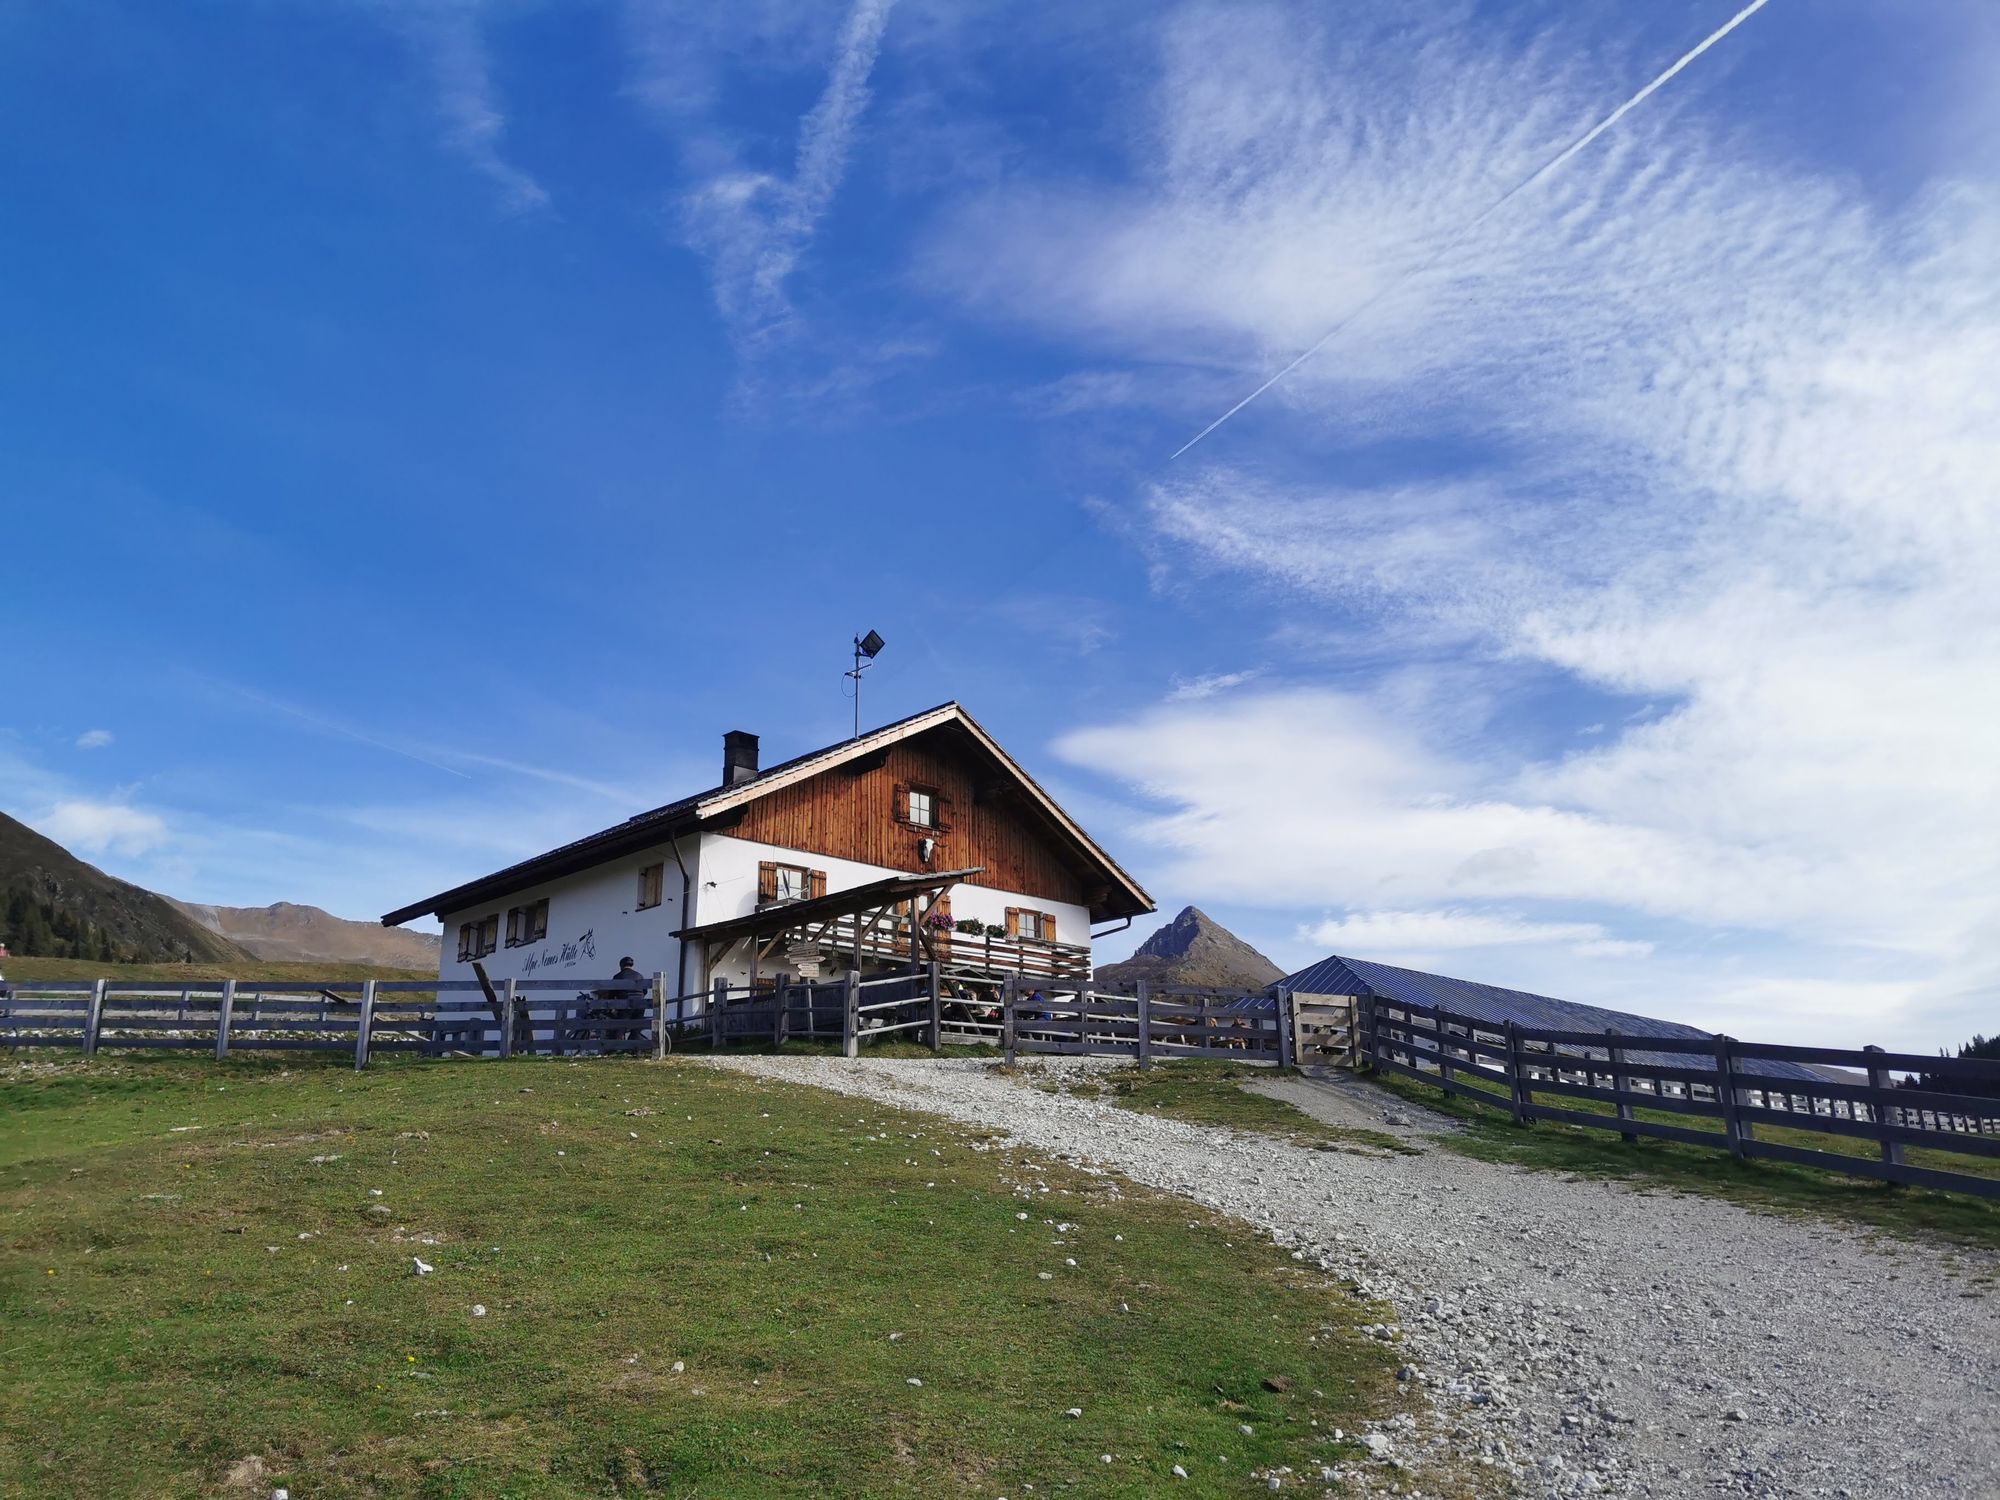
1575 1336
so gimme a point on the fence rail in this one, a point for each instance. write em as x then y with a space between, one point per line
1735 1083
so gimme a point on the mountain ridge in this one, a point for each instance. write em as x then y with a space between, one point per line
289 932
55 905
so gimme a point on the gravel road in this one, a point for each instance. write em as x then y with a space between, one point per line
1579 1336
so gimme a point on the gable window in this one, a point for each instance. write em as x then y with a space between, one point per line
652 880
776 882
923 807
528 924
477 939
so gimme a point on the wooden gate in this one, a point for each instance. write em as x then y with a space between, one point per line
1324 1031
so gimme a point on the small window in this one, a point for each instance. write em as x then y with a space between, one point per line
652 880
528 924
1037 926
923 807
477 939
776 882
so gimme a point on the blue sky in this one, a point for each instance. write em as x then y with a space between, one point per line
428 426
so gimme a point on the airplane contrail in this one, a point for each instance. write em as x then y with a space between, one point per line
1488 212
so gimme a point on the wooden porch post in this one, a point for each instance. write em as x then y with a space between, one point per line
937 1010
850 1012
1008 1016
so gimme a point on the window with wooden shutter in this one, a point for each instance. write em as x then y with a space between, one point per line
899 809
468 933
815 884
652 881
1013 921
767 881
514 925
538 922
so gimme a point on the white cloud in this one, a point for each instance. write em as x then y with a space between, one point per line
451 38
1362 934
1208 684
102 828
1699 427
94 739
754 226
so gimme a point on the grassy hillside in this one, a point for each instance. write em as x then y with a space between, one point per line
52 904
26 970
693 1283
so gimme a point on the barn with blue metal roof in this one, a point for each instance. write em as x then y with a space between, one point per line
1493 1006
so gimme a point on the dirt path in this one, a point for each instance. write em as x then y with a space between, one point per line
1578 1336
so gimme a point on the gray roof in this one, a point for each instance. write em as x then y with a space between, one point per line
1495 1006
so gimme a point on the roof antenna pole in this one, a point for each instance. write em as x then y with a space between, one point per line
867 646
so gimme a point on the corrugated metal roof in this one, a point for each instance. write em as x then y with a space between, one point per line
1335 975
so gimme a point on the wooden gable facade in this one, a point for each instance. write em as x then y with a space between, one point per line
861 810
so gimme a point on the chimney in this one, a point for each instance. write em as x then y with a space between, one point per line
739 757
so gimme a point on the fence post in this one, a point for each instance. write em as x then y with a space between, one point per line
1007 1019
1879 1082
1144 994
781 995
1517 1076
937 1010
1444 1048
1734 1129
1288 1054
659 1014
1361 1022
364 1032
222 1019
507 1020
717 999
93 1019
850 1014
1619 1082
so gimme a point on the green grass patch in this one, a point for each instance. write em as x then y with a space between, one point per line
195 1272
1491 1135
1203 1092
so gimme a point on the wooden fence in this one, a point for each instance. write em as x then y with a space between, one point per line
1721 1079
1146 1023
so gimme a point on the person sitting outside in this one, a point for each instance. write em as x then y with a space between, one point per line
626 993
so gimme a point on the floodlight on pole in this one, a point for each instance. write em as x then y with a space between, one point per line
866 649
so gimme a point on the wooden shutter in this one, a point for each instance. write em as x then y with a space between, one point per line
513 925
767 880
901 811
1048 926
1013 921
815 884
941 812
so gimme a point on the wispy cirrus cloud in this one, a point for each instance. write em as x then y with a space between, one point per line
755 226
1689 426
94 739
449 37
